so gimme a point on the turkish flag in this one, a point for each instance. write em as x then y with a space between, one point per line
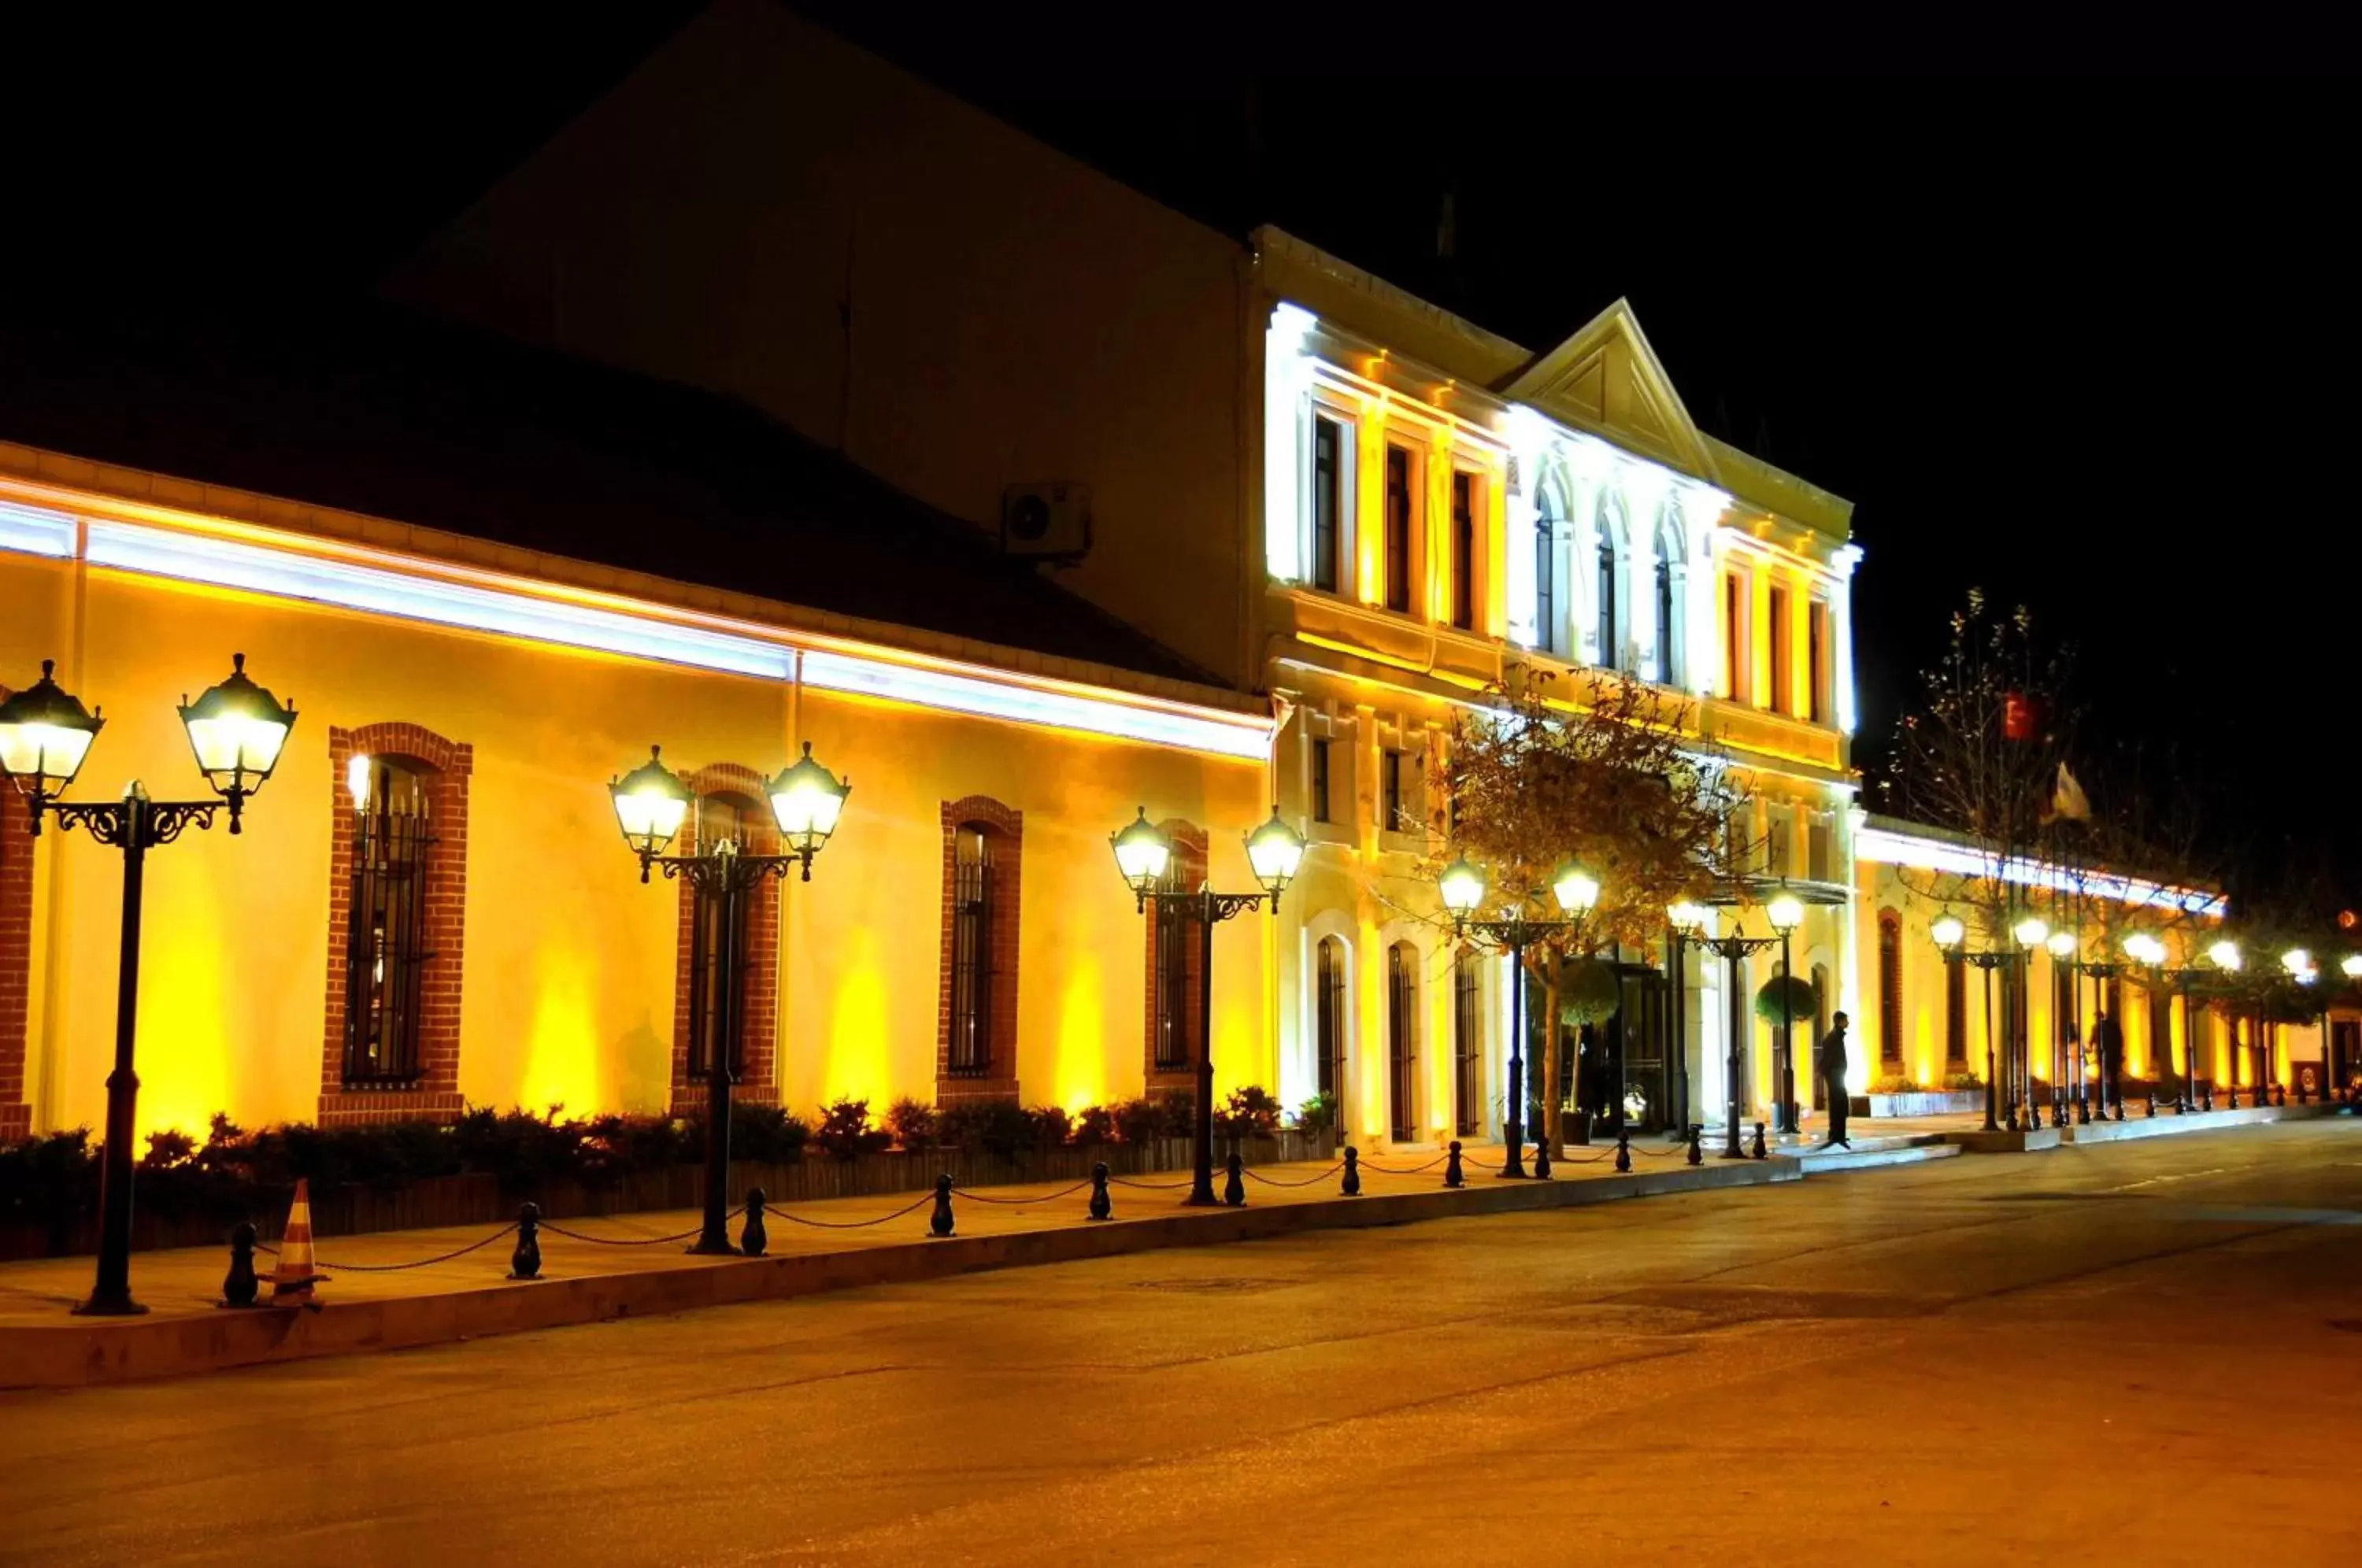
2017 716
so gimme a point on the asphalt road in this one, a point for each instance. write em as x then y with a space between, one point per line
2147 1353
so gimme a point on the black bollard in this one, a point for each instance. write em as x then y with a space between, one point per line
2034 1115
1352 1186
754 1239
2206 1095
1541 1159
1102 1205
239 1286
2082 1110
2303 1092
525 1262
1451 1176
2148 1104
1234 1189
2009 1118
2280 1093
1760 1152
940 1222
1697 1146
1623 1154
2235 1094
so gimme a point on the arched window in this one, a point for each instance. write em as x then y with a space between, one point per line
1668 610
1611 652
1402 1040
1176 966
1328 1023
1890 988
977 1035
728 966
1546 520
16 841
1467 1043
397 924
1956 1013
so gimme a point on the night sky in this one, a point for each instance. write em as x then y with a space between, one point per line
2088 345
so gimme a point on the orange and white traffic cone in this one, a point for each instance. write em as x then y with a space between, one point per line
292 1280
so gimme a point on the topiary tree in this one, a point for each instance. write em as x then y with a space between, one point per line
1802 1002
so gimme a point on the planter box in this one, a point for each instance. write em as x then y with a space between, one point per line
1944 1103
481 1200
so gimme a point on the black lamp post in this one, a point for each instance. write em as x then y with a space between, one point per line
1733 950
1462 887
235 729
2148 956
1948 933
1142 855
1786 912
650 801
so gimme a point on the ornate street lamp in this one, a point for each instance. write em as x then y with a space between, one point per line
1275 851
236 729
1786 912
2064 948
1949 933
1576 892
1733 947
650 803
2030 932
1684 919
2148 954
2302 970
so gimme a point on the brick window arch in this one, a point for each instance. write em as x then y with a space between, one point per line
17 842
976 1042
731 803
1172 1006
426 1083
1890 988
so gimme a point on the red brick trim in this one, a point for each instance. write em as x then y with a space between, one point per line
448 765
757 1080
1007 828
16 841
1184 873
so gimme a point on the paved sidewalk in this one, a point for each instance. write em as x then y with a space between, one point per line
629 1264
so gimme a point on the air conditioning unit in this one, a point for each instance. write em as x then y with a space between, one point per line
1046 522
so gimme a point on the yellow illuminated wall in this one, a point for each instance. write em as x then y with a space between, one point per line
569 961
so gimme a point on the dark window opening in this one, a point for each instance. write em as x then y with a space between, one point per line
717 955
1889 989
1955 1014
1402 1024
1784 695
1732 630
1327 497
1173 969
1464 552
1390 795
973 890
1467 1045
1665 671
1329 1021
1320 781
1816 653
386 955
1545 577
1397 529
1610 654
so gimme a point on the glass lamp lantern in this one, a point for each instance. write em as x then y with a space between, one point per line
1141 852
650 801
2225 955
1462 887
806 801
1948 933
1275 851
45 733
2031 933
1577 890
2062 945
236 729
1785 912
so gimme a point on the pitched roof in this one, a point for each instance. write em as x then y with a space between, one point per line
388 413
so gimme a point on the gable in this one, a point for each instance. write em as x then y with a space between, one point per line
1605 379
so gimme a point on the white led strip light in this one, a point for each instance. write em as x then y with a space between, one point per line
1885 847
387 590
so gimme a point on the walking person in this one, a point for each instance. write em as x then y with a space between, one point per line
2108 1037
1833 1078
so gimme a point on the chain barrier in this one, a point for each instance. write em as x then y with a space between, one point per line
1307 1181
1153 1186
1681 1148
397 1267
921 1202
1405 1170
974 1196
618 1241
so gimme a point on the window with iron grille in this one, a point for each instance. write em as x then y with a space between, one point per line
1328 494
1320 781
1402 1025
717 955
1390 792
1545 573
1464 551
1610 652
1956 1013
1817 630
1733 627
1784 689
1329 1019
1397 529
1668 666
386 953
1174 964
1467 1044
972 910
1890 988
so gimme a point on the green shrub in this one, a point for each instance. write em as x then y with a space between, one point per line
765 1133
1963 1083
1051 1125
1588 992
1180 1114
1895 1082
1317 1115
912 1123
1095 1124
1140 1121
1803 1005
845 1130
1252 1111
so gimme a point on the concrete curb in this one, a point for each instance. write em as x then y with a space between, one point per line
1868 1159
80 1352
2165 1123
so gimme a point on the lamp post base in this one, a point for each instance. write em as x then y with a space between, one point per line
1204 1199
707 1247
110 1306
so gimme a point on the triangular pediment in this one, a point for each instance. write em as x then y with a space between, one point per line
1606 379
